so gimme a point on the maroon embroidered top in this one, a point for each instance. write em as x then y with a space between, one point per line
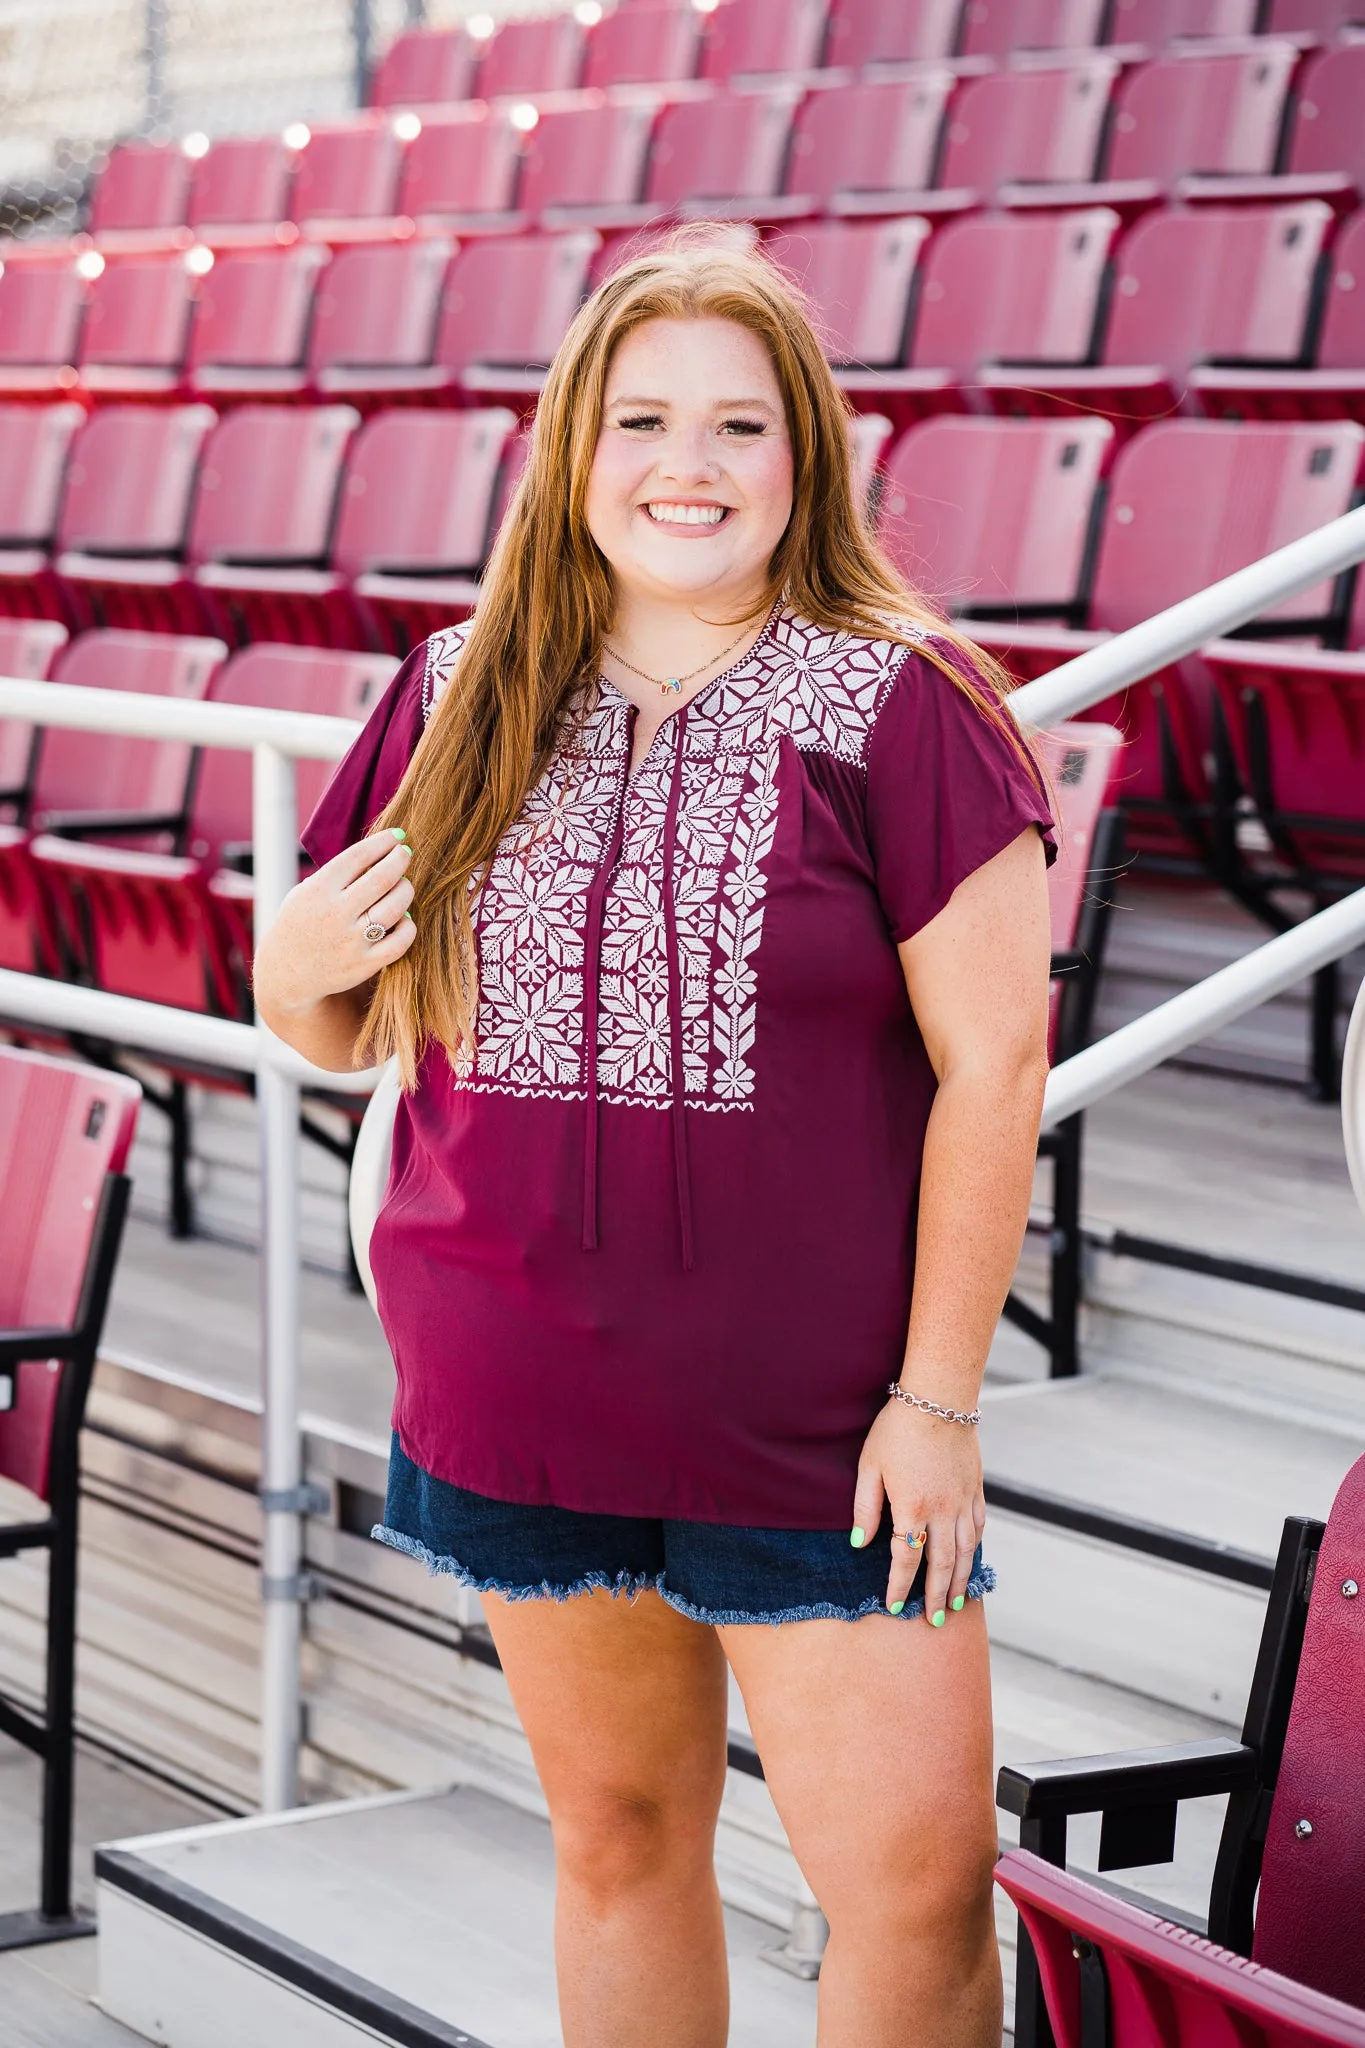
650 1250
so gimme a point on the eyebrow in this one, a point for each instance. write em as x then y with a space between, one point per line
722 404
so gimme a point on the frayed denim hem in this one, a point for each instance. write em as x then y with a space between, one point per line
982 1581
627 1583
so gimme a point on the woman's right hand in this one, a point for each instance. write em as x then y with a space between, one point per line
317 947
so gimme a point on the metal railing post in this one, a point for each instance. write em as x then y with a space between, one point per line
275 838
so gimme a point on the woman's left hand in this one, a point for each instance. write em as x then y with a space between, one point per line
930 1473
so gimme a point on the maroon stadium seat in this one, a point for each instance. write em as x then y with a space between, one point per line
656 45
144 185
43 299
858 276
1031 128
993 28
28 648
129 481
871 147
993 288
588 162
891 31
375 314
1206 284
745 37
543 54
347 176
508 302
241 189
1321 18
986 515
250 333
463 166
35 441
1201 113
425 65
723 156
1155 22
137 323
1328 136
1335 388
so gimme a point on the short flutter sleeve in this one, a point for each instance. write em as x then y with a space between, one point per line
367 776
946 792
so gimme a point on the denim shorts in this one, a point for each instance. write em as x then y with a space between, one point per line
710 1571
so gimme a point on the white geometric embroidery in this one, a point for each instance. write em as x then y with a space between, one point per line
821 691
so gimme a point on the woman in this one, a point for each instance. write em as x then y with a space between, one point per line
698 886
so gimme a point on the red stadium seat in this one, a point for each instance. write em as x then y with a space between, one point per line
871 147
42 304
588 162
241 189
1320 18
251 325
992 515
1012 288
463 167
751 37
424 66
35 441
858 276
144 185
28 648
994 28
891 31
375 314
508 303
1155 22
656 45
1031 128
1207 284
1201 113
347 177
1328 136
1335 388
544 54
723 156
137 323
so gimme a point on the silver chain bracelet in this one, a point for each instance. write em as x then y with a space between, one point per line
898 1393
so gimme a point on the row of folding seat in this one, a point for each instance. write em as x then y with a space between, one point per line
1252 311
1212 124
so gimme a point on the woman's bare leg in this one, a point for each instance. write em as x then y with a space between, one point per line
624 1704
876 1741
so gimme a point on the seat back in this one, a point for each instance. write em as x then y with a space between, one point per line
1031 127
874 136
114 772
1212 111
41 307
35 441
129 479
733 146
268 484
254 309
509 299
1297 732
63 1129
1013 288
419 491
1084 764
1342 342
544 54
1192 500
377 305
1329 134
756 36
858 276
891 31
645 46
1161 1982
1320 18
242 180
139 311
1217 284
1155 22
425 65
593 155
992 28
28 648
465 160
348 170
984 513
142 185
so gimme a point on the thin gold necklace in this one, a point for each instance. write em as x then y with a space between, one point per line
672 684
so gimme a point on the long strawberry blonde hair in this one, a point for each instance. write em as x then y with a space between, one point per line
546 603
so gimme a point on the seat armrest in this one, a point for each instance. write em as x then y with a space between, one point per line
1126 1777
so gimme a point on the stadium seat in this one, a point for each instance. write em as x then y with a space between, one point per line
137 323
1028 130
1202 284
346 178
891 31
871 147
1016 288
996 515
66 1132
655 45
1154 23
1327 141
587 163
251 324
143 186
540 55
1197 115
375 314
1313 18
28 648
424 66
462 170
241 190
756 37
858 277
35 441
129 481
723 157
996 28
42 305
1335 387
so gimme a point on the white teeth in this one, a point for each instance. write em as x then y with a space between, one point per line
686 515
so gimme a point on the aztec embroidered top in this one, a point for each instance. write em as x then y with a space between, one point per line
650 1250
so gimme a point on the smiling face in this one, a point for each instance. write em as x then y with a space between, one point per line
691 483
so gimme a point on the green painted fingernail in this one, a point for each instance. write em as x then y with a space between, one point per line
398 832
896 1606
959 1603
940 1618
857 1538
412 920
